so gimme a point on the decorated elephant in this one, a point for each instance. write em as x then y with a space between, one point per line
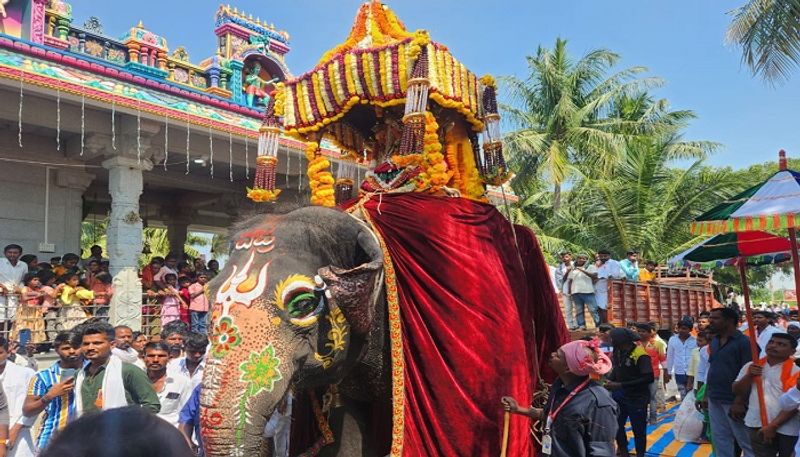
308 299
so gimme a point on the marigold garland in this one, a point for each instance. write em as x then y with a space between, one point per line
280 99
488 81
421 38
319 176
433 167
262 195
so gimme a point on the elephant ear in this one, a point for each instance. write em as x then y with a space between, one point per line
356 291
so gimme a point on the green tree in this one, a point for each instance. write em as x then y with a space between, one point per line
769 33
562 113
154 240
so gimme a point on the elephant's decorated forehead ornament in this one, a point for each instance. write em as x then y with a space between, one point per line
394 102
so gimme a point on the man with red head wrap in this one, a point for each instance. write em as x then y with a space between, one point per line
580 416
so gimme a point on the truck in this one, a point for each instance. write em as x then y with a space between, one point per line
664 301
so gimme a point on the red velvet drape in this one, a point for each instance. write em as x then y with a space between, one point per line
468 303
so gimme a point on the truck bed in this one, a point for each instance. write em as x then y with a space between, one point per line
664 303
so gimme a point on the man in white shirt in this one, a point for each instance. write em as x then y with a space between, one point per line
123 337
15 380
764 329
173 389
778 374
192 364
608 269
580 285
679 353
12 272
561 273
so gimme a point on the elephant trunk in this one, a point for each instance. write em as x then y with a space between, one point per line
235 411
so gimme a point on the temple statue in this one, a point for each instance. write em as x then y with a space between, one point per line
255 86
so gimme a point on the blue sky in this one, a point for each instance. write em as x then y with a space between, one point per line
681 41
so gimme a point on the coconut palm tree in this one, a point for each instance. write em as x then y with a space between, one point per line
562 113
769 33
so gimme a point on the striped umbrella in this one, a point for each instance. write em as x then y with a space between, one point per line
771 205
728 249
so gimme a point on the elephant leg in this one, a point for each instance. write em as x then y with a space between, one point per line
349 432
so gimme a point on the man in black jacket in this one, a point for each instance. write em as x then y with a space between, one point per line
629 381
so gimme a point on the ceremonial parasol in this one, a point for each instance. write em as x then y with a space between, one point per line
771 205
728 249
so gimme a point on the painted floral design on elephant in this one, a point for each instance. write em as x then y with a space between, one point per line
260 371
225 337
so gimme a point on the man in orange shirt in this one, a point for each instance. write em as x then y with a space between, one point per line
656 348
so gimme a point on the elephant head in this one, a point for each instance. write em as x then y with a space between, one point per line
293 305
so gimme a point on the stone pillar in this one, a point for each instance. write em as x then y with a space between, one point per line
72 184
124 243
177 232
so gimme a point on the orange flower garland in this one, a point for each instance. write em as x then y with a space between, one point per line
319 176
433 167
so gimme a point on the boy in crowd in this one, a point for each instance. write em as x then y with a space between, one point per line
679 353
656 349
779 374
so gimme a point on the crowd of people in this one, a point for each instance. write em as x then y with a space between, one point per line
100 368
38 299
619 376
583 284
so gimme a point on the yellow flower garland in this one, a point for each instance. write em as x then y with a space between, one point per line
262 195
421 38
319 177
280 99
433 167
488 81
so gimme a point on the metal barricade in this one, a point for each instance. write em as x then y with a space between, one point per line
42 322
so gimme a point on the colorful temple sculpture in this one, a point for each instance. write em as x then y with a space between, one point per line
125 128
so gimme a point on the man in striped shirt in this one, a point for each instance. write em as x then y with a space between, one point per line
52 389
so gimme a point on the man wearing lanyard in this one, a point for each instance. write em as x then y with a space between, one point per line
580 417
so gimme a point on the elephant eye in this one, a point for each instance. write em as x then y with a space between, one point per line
301 305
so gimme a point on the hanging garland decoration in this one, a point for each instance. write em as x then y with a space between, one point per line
246 158
188 159
113 125
211 151
319 176
138 134
495 170
299 174
263 189
433 172
166 141
58 120
83 122
343 188
230 155
288 163
19 113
